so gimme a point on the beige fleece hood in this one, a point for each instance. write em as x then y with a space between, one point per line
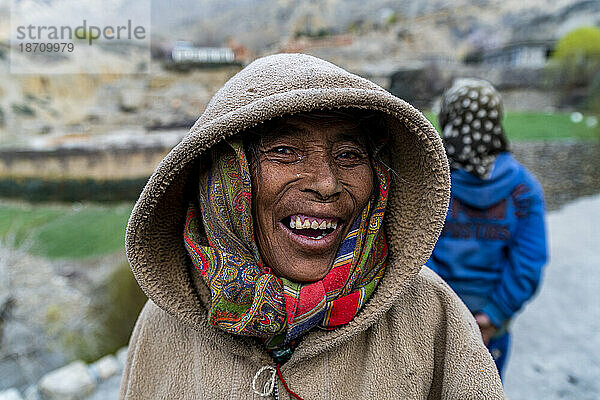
413 339
270 87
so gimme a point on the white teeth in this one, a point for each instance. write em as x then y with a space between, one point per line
329 225
334 225
292 224
306 224
314 225
323 225
298 223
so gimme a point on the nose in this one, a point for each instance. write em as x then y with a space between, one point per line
321 178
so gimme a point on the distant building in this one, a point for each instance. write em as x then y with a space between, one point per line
531 54
186 52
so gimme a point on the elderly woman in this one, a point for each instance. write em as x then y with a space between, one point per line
281 244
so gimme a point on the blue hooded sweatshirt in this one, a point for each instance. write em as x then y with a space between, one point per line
493 245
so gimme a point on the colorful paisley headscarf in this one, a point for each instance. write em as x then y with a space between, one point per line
246 298
471 123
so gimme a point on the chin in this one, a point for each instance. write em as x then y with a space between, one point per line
313 277
308 276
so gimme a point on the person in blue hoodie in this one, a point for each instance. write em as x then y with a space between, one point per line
493 245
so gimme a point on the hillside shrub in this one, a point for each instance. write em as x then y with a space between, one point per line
576 59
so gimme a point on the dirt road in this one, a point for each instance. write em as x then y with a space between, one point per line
556 347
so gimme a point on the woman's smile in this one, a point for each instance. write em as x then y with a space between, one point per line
312 233
313 178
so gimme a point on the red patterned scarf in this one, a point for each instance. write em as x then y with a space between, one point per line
247 299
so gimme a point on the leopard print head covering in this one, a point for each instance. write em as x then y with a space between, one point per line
471 122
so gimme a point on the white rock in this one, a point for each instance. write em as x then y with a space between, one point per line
10 394
71 382
32 393
106 367
131 99
122 356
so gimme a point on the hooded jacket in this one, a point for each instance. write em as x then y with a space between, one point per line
493 245
413 339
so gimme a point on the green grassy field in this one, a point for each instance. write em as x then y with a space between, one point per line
523 126
65 231
77 232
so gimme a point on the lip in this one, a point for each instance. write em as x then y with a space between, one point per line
311 245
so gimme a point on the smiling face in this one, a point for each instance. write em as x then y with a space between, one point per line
312 178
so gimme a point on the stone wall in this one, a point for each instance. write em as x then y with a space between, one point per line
66 174
566 170
73 163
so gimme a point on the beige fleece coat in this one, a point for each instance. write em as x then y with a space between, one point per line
413 339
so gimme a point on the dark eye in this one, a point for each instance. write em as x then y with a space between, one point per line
284 154
282 150
349 155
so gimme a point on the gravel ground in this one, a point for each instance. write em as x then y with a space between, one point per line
556 340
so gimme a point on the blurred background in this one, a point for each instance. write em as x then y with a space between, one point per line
76 149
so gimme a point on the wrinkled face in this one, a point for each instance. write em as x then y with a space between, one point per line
313 179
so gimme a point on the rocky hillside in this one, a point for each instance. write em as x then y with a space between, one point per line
405 29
